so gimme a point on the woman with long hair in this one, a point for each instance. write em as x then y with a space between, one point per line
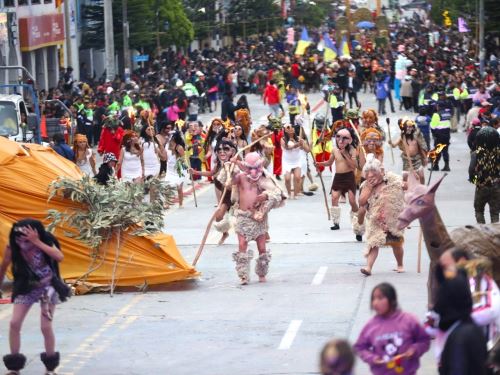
225 150
131 160
152 152
84 156
34 254
292 160
176 164
216 126
240 138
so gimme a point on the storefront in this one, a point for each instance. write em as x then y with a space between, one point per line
40 37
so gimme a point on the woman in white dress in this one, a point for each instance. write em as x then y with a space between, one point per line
176 164
131 161
292 147
84 156
152 152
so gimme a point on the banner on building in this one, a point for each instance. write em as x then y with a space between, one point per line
41 31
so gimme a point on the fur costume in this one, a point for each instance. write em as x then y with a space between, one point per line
335 214
224 225
50 362
248 227
14 362
372 134
262 264
243 260
384 208
359 229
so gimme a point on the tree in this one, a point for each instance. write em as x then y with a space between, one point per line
203 15
248 16
309 15
144 17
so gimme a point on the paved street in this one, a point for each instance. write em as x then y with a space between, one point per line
213 326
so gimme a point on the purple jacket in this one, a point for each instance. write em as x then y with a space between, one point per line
385 338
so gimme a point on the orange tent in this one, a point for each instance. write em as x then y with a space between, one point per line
26 170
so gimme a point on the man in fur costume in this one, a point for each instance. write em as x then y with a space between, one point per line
370 120
322 144
381 202
254 194
347 159
413 149
352 117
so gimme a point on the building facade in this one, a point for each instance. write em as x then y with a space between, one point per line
41 36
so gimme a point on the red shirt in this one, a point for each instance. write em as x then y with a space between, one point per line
271 95
110 142
294 70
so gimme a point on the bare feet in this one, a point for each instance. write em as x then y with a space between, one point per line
366 271
244 281
399 269
224 237
262 279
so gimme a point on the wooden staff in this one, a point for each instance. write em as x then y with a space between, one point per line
359 138
388 121
192 179
320 178
212 218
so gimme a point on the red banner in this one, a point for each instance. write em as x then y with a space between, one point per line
41 31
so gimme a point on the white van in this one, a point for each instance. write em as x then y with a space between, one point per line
16 123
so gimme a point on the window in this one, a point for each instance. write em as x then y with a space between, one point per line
8 119
47 1
35 2
22 2
9 3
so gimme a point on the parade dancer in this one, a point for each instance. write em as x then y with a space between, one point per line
413 149
292 145
225 150
381 198
372 141
34 254
254 194
346 159
322 144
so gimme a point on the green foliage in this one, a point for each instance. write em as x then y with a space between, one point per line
107 208
309 15
203 16
250 16
143 24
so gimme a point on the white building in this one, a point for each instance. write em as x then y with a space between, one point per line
37 38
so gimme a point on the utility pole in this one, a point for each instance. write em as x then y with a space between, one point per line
109 41
482 51
126 49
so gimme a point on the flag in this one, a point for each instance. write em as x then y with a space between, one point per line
303 43
330 49
462 25
344 48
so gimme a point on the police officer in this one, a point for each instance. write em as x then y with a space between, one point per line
334 99
441 129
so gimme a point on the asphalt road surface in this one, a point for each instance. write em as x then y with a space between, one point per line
214 326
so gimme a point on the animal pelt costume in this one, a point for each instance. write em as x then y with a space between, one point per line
384 207
352 116
417 160
242 117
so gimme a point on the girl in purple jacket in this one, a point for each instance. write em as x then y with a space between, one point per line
392 341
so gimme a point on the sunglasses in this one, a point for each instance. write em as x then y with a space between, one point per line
341 138
225 149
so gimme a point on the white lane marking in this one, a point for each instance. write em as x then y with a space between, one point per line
291 332
320 275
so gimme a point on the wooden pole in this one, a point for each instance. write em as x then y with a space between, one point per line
388 121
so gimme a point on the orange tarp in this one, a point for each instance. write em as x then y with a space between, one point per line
26 170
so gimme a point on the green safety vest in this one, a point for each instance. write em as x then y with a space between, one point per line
439 123
334 102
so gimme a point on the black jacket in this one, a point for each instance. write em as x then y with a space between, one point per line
465 351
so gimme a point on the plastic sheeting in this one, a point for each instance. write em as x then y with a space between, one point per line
26 171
